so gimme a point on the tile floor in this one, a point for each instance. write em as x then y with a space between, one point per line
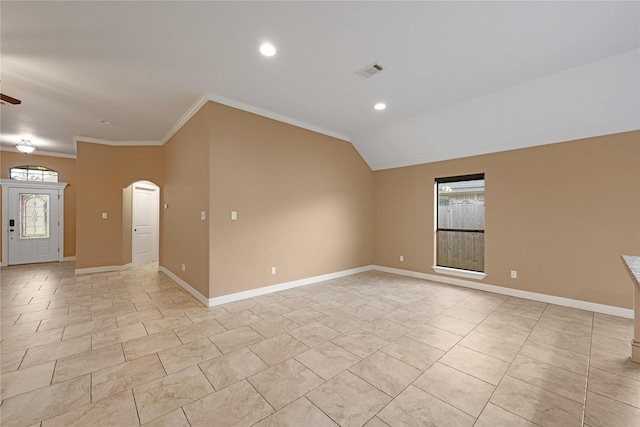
132 348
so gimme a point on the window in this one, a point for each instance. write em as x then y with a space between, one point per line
34 216
460 222
33 173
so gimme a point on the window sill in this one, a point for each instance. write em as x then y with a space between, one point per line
460 273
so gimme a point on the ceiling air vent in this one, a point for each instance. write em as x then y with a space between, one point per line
369 70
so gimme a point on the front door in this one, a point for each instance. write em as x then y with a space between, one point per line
34 226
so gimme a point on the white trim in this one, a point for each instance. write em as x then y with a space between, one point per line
186 116
69 258
458 272
269 114
551 299
104 269
38 152
210 302
187 287
114 142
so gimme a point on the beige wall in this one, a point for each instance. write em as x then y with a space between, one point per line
66 169
184 237
559 214
304 203
102 173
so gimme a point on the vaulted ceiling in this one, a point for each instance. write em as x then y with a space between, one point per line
142 65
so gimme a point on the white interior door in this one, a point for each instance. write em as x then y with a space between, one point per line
145 224
34 226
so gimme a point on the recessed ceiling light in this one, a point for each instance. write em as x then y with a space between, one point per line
106 122
380 106
267 49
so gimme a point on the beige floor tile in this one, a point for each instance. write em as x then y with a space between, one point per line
615 387
118 410
268 311
388 374
503 328
25 380
304 316
232 367
113 380
376 422
406 318
415 408
580 328
456 388
189 354
491 346
158 325
113 311
550 378
238 319
118 335
612 326
278 349
451 324
327 360
604 344
149 344
313 334
495 416
203 329
23 342
138 316
285 382
236 339
348 400
11 361
615 363
434 337
385 329
20 411
412 352
20 329
342 323
239 306
465 314
165 394
360 343
537 405
522 307
57 350
175 418
561 340
297 303
199 314
604 412
564 359
274 326
88 328
85 363
236 405
474 363
296 414
62 321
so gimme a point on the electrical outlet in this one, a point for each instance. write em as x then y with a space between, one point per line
273 270
514 274
401 258
183 267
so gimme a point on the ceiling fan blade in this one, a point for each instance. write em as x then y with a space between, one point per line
9 99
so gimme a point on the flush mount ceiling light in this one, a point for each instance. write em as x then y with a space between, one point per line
267 49
25 146
380 106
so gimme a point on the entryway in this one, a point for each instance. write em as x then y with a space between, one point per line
32 222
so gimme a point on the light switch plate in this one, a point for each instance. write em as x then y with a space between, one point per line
104 215
203 215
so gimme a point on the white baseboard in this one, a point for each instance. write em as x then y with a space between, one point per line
566 302
187 287
210 302
104 269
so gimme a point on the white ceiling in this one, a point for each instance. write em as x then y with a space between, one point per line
142 65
